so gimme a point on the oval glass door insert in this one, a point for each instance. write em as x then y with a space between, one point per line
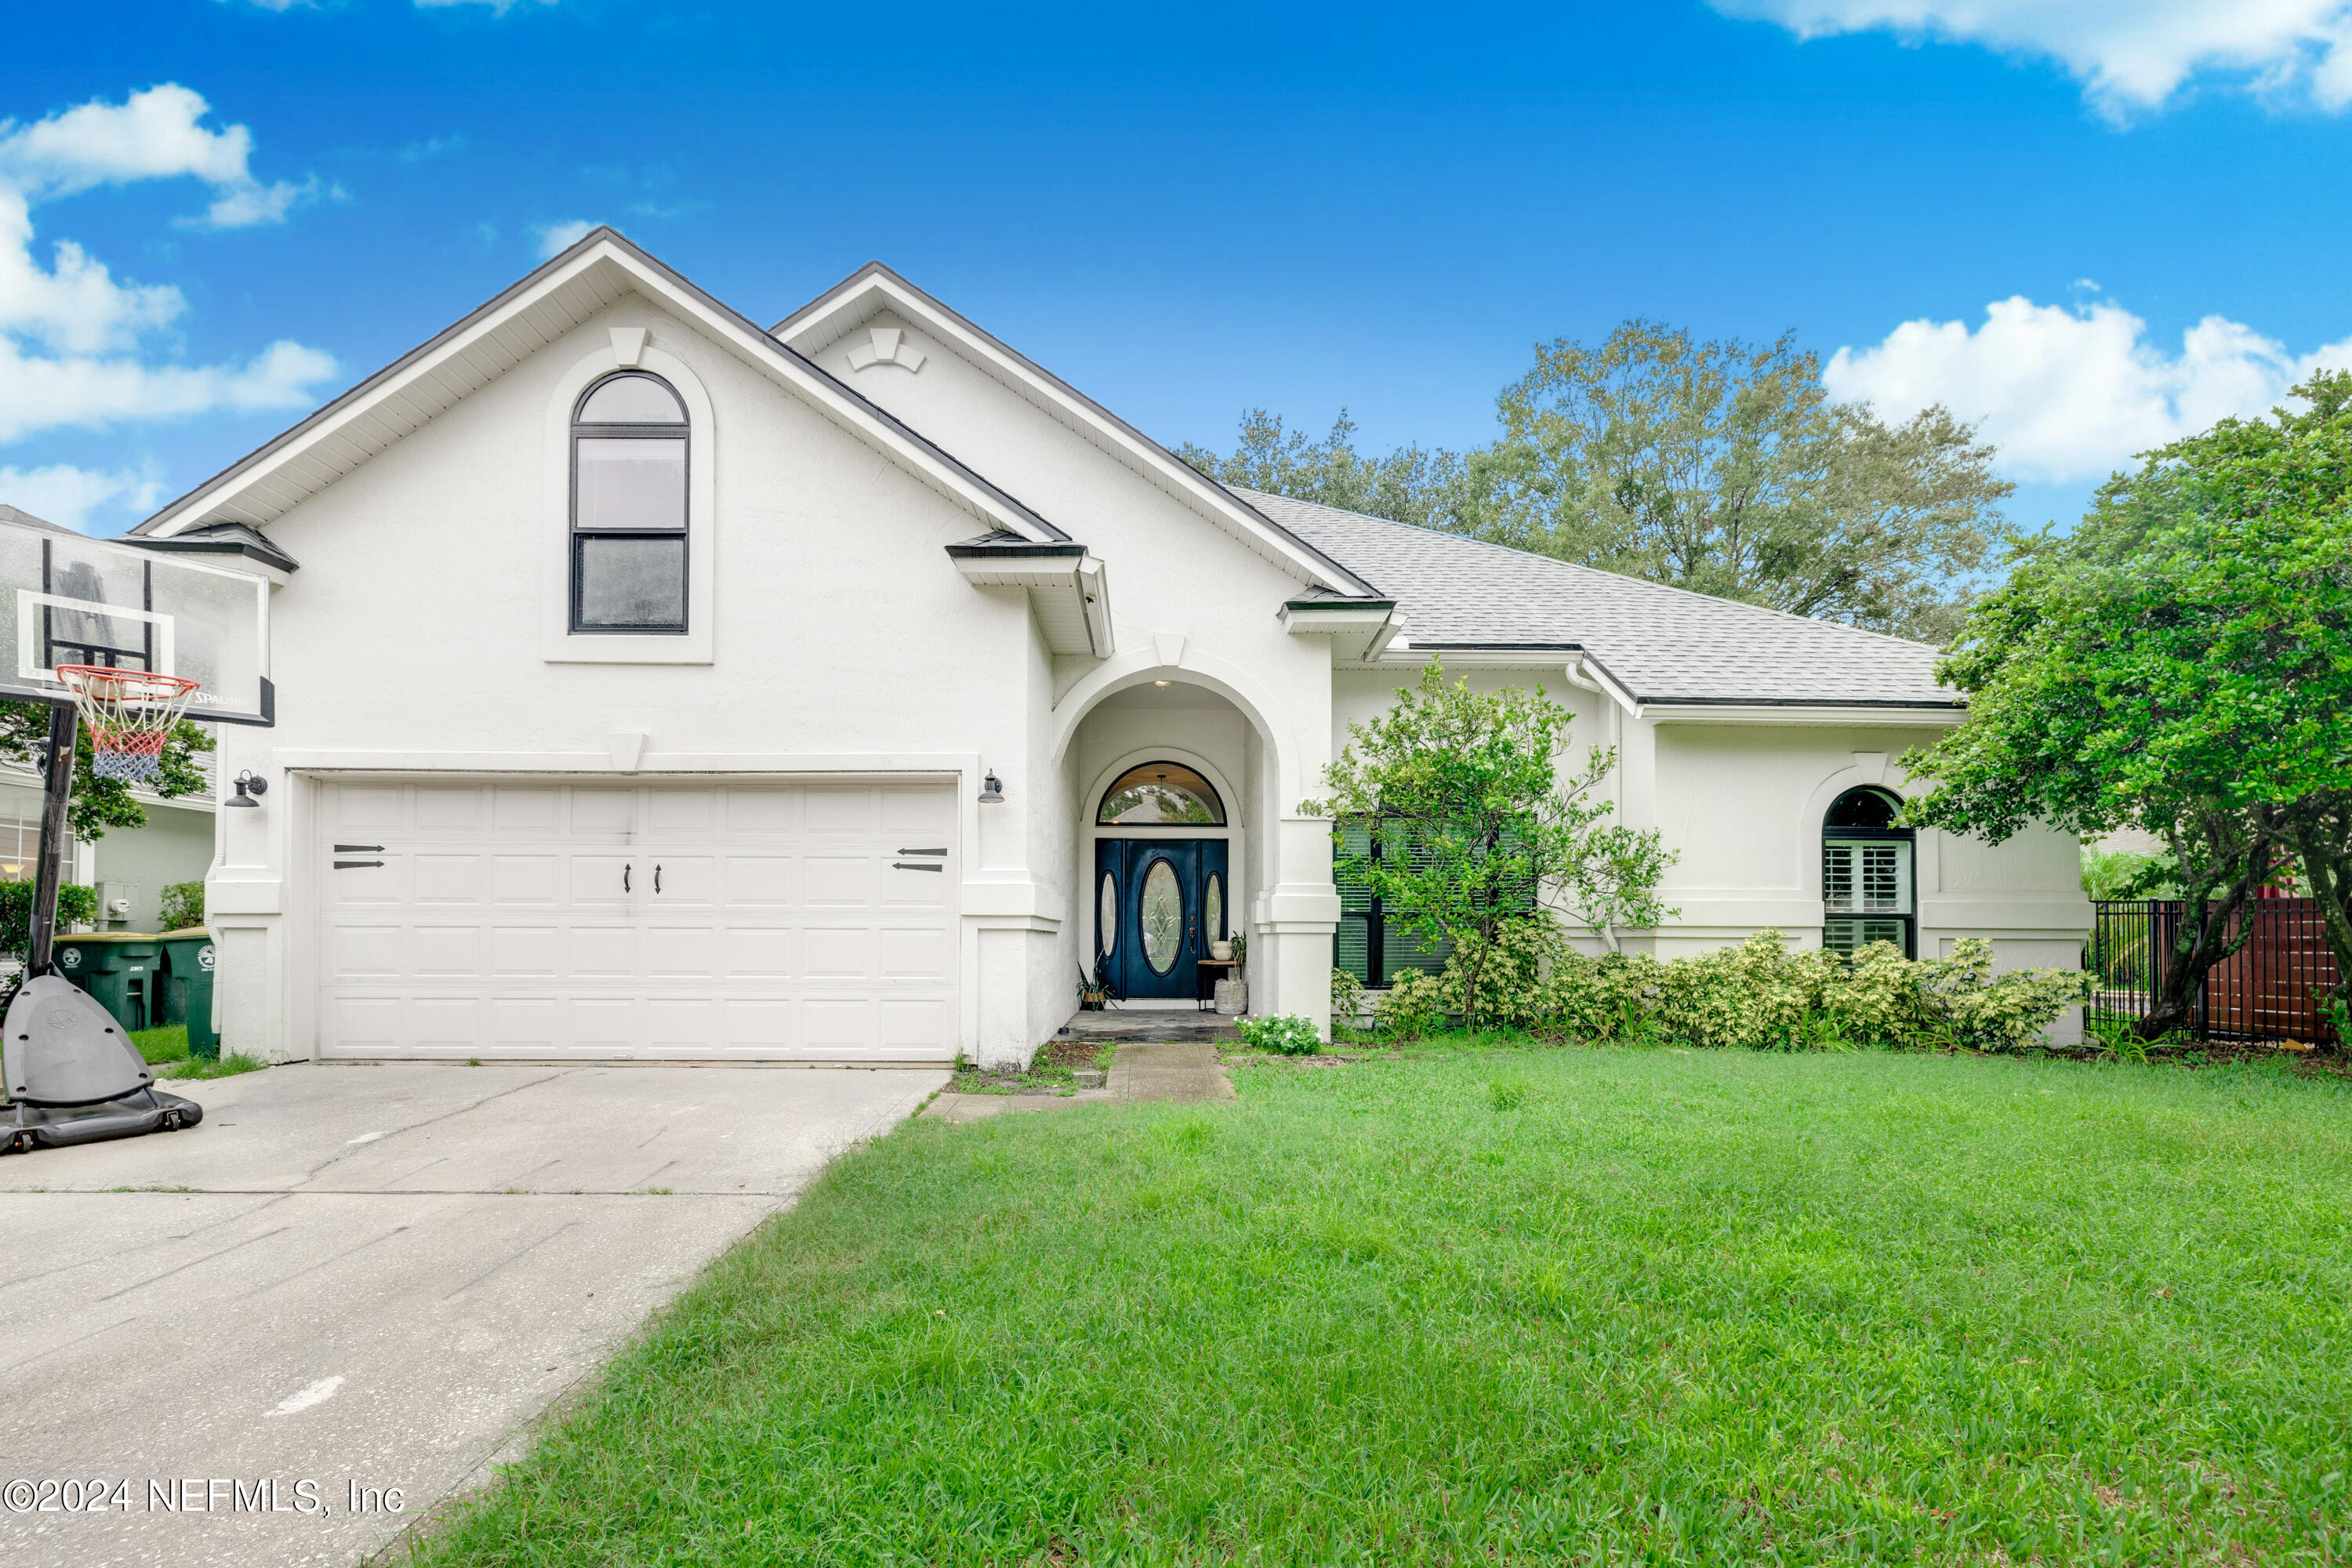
1212 909
1106 918
1162 915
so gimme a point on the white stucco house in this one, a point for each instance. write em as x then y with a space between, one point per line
652 685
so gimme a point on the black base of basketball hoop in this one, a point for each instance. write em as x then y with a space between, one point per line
130 713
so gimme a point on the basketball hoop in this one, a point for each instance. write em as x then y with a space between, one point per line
130 713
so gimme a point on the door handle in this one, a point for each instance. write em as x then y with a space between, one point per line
657 879
624 878
347 865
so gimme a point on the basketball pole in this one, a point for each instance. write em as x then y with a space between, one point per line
57 835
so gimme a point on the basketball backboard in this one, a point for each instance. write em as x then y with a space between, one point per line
68 599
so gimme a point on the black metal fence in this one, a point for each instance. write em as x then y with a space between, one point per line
2269 989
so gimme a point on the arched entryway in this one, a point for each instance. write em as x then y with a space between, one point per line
1163 881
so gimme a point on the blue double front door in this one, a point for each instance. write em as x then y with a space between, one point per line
1158 903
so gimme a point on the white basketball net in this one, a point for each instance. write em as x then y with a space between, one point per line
130 714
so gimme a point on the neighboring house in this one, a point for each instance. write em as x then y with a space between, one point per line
129 867
656 686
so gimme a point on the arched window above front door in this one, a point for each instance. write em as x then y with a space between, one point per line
1160 795
1866 873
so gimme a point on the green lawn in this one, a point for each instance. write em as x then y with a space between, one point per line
166 1050
1547 1306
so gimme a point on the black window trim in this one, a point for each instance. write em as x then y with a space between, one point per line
1172 829
682 431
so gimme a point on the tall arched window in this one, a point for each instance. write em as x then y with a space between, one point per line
628 506
1866 882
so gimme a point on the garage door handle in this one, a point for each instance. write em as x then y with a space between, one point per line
624 878
658 878
347 865
922 852
914 866
378 850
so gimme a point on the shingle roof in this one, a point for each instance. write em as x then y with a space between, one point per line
1664 645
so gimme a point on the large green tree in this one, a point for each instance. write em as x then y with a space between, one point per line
1408 485
1726 467
99 804
2180 662
1478 826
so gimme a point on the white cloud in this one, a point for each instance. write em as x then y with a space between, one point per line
70 334
43 394
2071 395
150 135
65 495
2128 53
557 237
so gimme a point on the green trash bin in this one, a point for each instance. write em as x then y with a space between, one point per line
187 990
121 969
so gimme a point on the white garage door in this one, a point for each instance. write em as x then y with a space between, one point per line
685 921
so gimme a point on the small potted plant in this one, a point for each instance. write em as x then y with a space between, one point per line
1233 995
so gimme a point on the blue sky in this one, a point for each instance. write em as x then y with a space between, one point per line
2091 232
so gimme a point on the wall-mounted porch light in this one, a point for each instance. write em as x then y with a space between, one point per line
248 791
992 791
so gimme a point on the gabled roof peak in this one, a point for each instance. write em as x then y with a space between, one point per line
874 288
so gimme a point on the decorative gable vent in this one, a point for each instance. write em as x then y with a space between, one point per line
889 346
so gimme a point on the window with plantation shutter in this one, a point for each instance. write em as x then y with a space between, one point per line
1866 873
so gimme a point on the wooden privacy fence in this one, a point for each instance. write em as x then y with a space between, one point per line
2269 989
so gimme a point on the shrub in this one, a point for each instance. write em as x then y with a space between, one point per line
1286 1034
183 905
1347 999
1759 995
77 905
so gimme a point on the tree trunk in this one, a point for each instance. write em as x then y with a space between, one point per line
2214 902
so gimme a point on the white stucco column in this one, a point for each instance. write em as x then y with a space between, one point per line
1290 967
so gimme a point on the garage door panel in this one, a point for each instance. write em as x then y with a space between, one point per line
682 813
758 810
450 1022
367 882
603 813
527 879
682 952
751 882
837 952
442 806
685 881
523 919
604 881
928 810
837 881
603 952
519 809
749 1023
367 806
365 951
904 887
445 951
834 1023
446 880
756 952
910 1023
833 811
527 951
912 953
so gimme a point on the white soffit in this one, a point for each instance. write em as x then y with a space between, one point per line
875 288
600 270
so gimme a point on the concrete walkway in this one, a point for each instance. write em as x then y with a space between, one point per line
1152 1069
372 1278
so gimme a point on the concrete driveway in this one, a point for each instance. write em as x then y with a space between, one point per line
231 1345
